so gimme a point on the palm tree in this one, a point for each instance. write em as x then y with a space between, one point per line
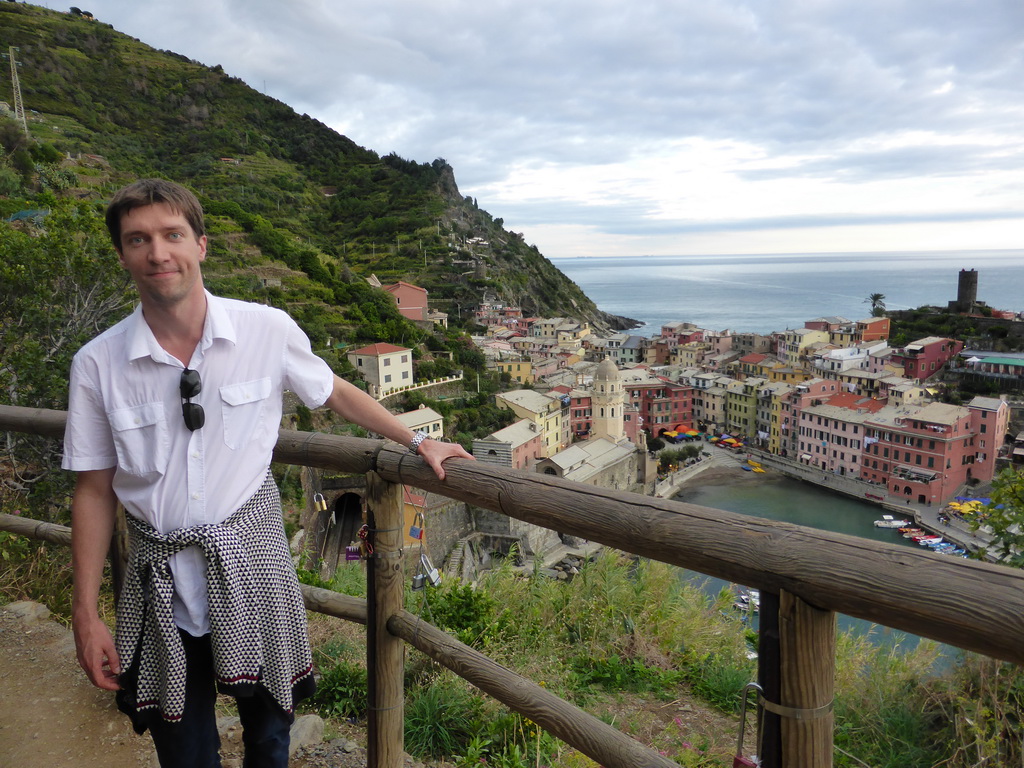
877 302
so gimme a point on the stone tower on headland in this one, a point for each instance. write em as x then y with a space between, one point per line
966 292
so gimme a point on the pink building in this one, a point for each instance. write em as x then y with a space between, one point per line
411 299
804 394
661 403
580 414
925 357
831 435
633 425
927 454
518 446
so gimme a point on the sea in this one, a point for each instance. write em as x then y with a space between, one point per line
761 293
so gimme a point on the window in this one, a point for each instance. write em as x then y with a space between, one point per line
387 362
405 374
405 359
387 378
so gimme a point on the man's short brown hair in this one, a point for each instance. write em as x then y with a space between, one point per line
150 192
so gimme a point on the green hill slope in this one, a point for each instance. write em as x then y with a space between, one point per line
285 192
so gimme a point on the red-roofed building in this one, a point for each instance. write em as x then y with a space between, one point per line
752 365
385 367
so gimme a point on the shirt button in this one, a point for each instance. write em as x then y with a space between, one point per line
195 454
195 496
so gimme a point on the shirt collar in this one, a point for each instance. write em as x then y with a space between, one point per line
142 342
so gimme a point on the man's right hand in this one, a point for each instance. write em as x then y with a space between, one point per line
96 653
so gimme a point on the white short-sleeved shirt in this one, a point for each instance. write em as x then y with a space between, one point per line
125 412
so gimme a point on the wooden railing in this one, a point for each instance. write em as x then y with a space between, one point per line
805 576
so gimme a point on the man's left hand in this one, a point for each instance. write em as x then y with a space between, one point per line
435 453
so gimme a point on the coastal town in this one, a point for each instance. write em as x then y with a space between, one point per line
832 402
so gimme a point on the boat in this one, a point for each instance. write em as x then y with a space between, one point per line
748 601
888 521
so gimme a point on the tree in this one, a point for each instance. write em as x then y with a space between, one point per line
60 285
1004 516
877 302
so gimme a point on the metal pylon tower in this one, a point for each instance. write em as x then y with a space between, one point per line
19 107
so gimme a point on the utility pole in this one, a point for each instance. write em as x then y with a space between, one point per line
19 107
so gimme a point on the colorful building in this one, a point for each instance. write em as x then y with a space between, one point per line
659 402
518 446
546 411
925 357
411 299
928 454
831 435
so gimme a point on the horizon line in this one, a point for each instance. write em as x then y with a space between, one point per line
792 253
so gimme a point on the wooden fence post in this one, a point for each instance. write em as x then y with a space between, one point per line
385 653
807 650
119 552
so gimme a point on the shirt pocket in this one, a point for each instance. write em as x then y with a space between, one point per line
141 439
243 408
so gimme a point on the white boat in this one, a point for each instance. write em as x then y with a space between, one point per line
888 521
748 601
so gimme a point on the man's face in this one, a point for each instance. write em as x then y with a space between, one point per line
162 254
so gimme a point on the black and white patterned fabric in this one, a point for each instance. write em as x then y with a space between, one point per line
257 617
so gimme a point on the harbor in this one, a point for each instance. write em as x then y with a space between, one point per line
829 503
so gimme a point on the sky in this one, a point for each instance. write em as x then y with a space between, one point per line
659 127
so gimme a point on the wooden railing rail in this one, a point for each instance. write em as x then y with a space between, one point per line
809 574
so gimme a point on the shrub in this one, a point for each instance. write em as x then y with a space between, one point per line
341 691
440 718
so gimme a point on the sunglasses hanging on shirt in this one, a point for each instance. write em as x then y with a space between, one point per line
190 386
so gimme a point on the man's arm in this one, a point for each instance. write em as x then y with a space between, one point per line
92 524
354 405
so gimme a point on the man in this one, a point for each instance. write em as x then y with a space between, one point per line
174 412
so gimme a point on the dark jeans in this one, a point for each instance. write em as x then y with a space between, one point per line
193 742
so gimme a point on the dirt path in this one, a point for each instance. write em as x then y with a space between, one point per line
50 715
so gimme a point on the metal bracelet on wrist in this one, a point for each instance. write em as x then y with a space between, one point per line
417 439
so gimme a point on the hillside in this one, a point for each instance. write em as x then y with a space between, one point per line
286 193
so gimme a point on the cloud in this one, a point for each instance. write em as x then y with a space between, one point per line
655 113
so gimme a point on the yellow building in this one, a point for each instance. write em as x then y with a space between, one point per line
543 410
689 355
797 341
519 370
741 406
